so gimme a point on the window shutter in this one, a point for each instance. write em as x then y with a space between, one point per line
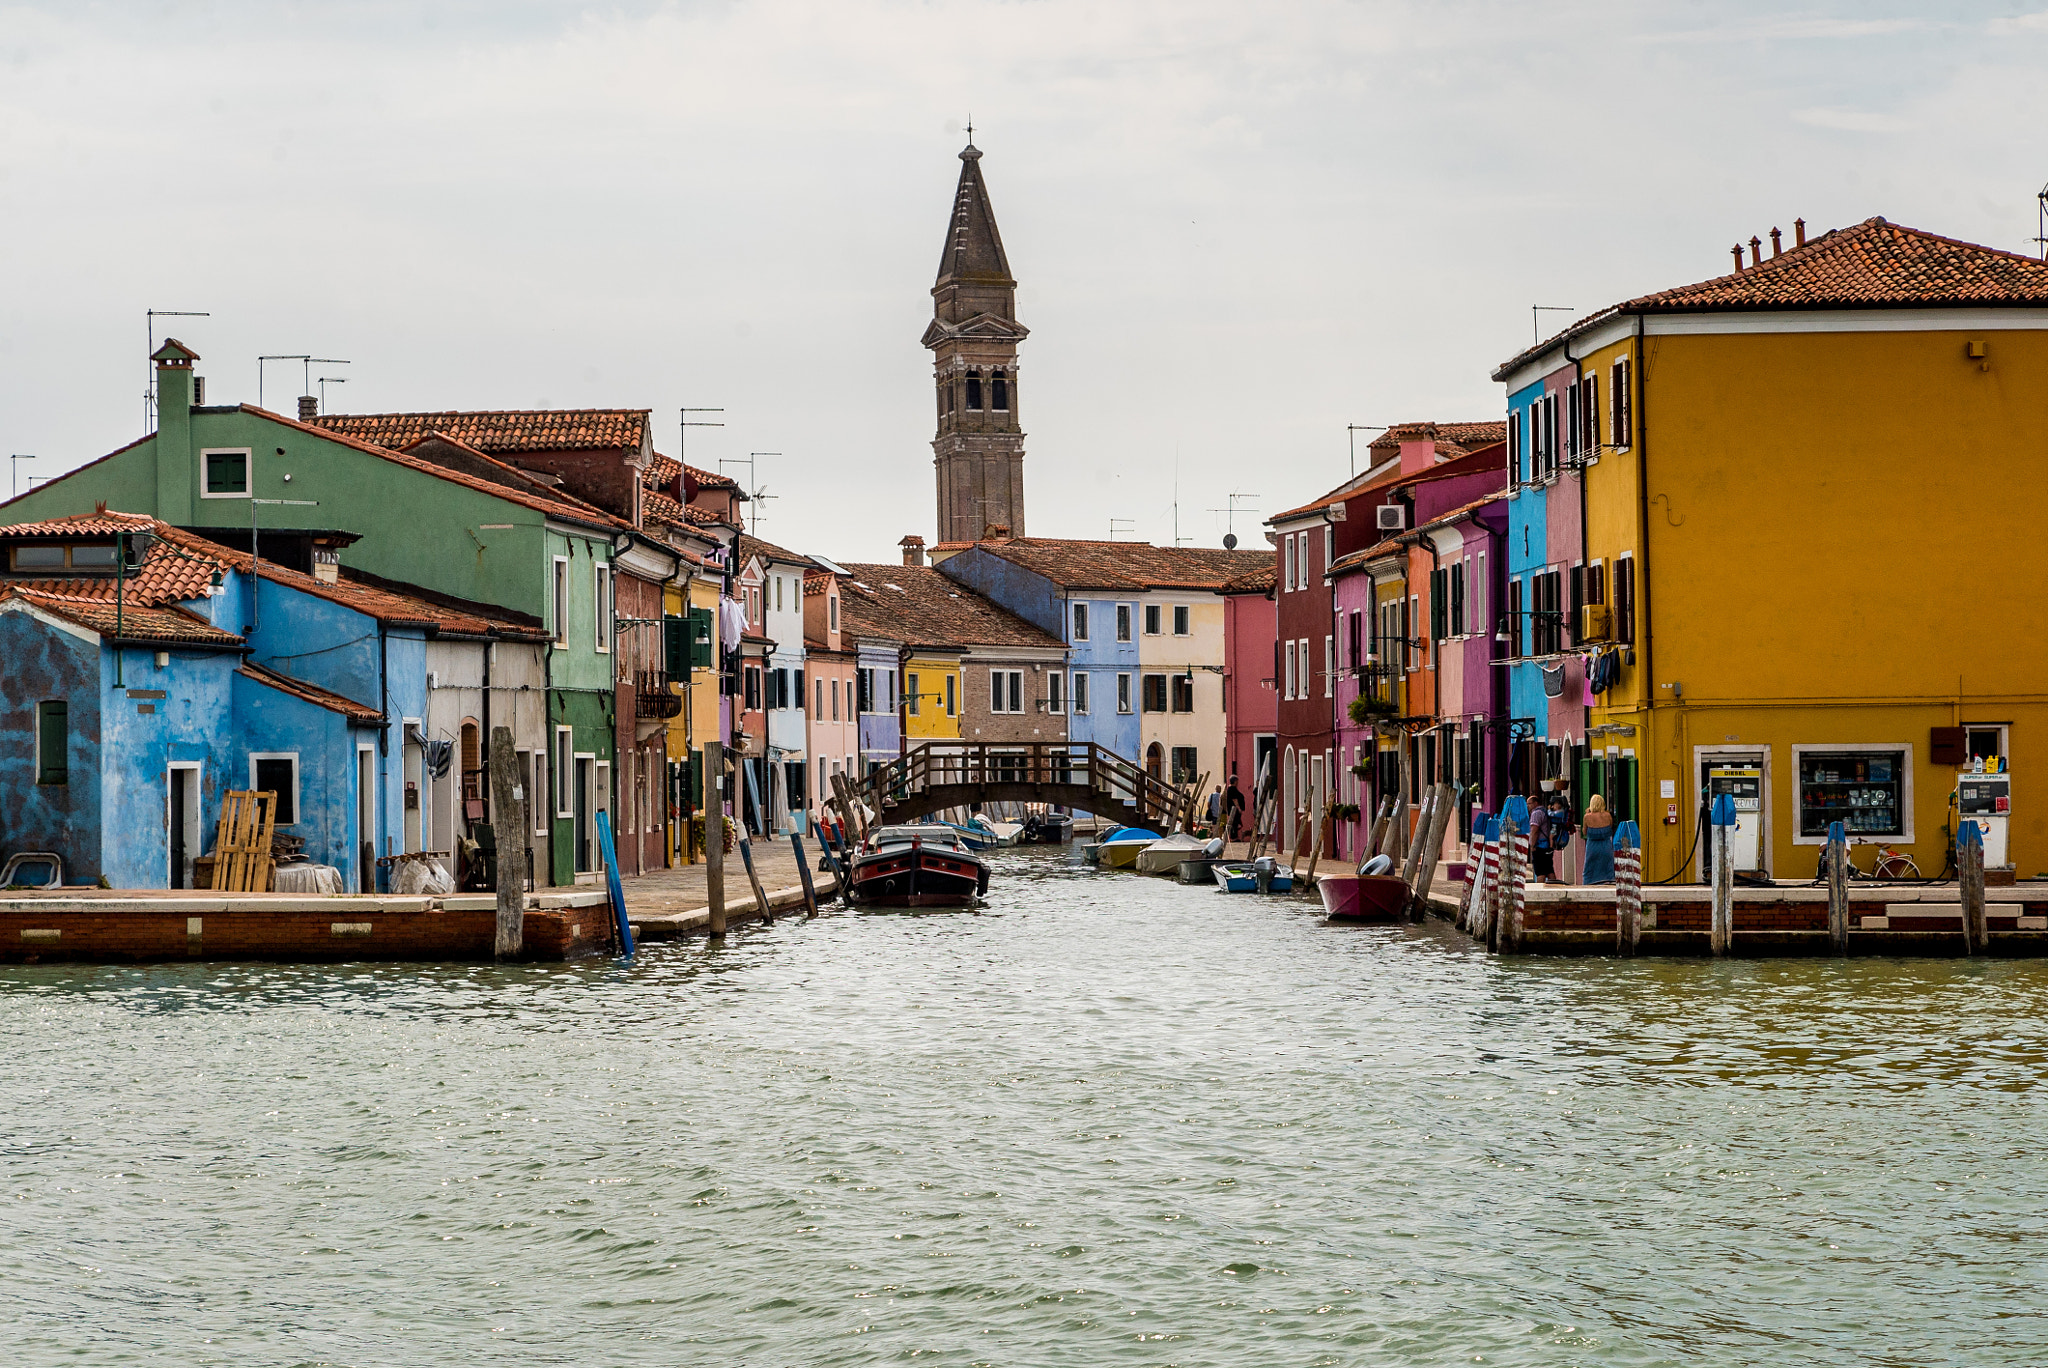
53 742
675 647
700 638
1439 600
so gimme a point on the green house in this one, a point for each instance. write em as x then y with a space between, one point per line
301 494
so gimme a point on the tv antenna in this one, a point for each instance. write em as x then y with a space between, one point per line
149 394
683 432
305 360
2041 221
1351 431
324 381
1535 321
15 471
756 493
1230 510
1125 523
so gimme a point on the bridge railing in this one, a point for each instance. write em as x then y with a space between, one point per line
1115 780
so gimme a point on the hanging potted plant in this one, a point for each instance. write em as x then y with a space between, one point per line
1368 708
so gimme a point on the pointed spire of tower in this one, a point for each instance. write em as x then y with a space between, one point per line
974 249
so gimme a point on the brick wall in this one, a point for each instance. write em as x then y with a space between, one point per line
65 935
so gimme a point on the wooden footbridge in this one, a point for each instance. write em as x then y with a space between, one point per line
1079 776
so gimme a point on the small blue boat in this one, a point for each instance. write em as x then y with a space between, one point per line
1243 877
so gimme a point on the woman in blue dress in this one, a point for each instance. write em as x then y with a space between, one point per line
1598 829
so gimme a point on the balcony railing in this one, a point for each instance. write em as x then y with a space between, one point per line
652 697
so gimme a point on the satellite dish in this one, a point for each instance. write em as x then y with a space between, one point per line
1230 541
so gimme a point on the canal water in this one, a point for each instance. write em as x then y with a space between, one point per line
1108 1120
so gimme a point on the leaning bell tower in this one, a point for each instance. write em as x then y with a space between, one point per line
979 448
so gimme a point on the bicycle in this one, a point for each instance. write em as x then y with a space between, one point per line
1894 864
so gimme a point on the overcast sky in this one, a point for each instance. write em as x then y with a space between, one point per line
1238 227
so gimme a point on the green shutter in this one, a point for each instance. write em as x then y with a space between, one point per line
700 638
675 647
53 742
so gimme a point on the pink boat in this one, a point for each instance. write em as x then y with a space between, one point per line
1373 898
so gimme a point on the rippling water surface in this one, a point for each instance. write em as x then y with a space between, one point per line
1110 1120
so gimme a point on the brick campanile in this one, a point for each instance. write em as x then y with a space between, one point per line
979 448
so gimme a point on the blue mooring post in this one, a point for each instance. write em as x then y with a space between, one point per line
611 874
1722 818
803 870
1970 882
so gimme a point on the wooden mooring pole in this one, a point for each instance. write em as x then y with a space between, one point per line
714 838
1432 850
1512 885
803 870
1479 879
1628 888
1970 878
508 826
1838 888
1721 930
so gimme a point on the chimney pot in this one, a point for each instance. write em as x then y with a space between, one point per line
1799 232
1756 250
913 549
309 408
1737 249
1777 244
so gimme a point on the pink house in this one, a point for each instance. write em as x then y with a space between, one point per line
1251 703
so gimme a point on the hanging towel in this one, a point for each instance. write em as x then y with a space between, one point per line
1553 680
732 622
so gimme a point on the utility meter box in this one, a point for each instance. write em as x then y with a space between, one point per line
1986 799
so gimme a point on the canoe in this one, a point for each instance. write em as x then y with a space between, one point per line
1371 898
1164 855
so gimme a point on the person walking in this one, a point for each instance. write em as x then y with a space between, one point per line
1599 832
1233 808
1540 856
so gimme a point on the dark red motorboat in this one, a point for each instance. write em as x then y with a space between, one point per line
916 866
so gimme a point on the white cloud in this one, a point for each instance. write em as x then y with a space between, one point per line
1852 120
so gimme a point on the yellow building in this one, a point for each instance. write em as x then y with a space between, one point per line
1809 548
931 696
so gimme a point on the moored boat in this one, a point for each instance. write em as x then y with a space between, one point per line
1364 898
917 866
1047 828
1244 876
1164 855
1119 849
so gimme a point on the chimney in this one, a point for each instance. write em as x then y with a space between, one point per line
1737 249
1777 246
309 408
1756 250
1799 232
326 564
913 549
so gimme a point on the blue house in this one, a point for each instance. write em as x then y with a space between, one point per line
143 696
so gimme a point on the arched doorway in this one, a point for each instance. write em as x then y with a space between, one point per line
1155 757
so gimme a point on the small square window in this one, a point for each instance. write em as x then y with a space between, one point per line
227 474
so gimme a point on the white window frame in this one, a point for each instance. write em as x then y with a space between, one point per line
1799 753
1080 693
1123 621
832 610
298 813
1409 653
248 489
1078 622
1301 562
600 598
1123 693
1329 544
1287 569
538 795
1183 620
952 693
1476 618
1329 666
1152 619
565 775
1055 684
558 603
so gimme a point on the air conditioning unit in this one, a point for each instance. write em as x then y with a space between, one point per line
1392 517
1594 623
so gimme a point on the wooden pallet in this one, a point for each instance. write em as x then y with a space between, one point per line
241 848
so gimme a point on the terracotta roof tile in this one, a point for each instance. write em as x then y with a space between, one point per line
500 430
1259 581
1872 265
164 576
919 606
312 693
167 624
749 547
1127 566
1453 442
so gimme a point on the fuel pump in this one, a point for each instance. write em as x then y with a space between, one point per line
1986 798
1745 784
